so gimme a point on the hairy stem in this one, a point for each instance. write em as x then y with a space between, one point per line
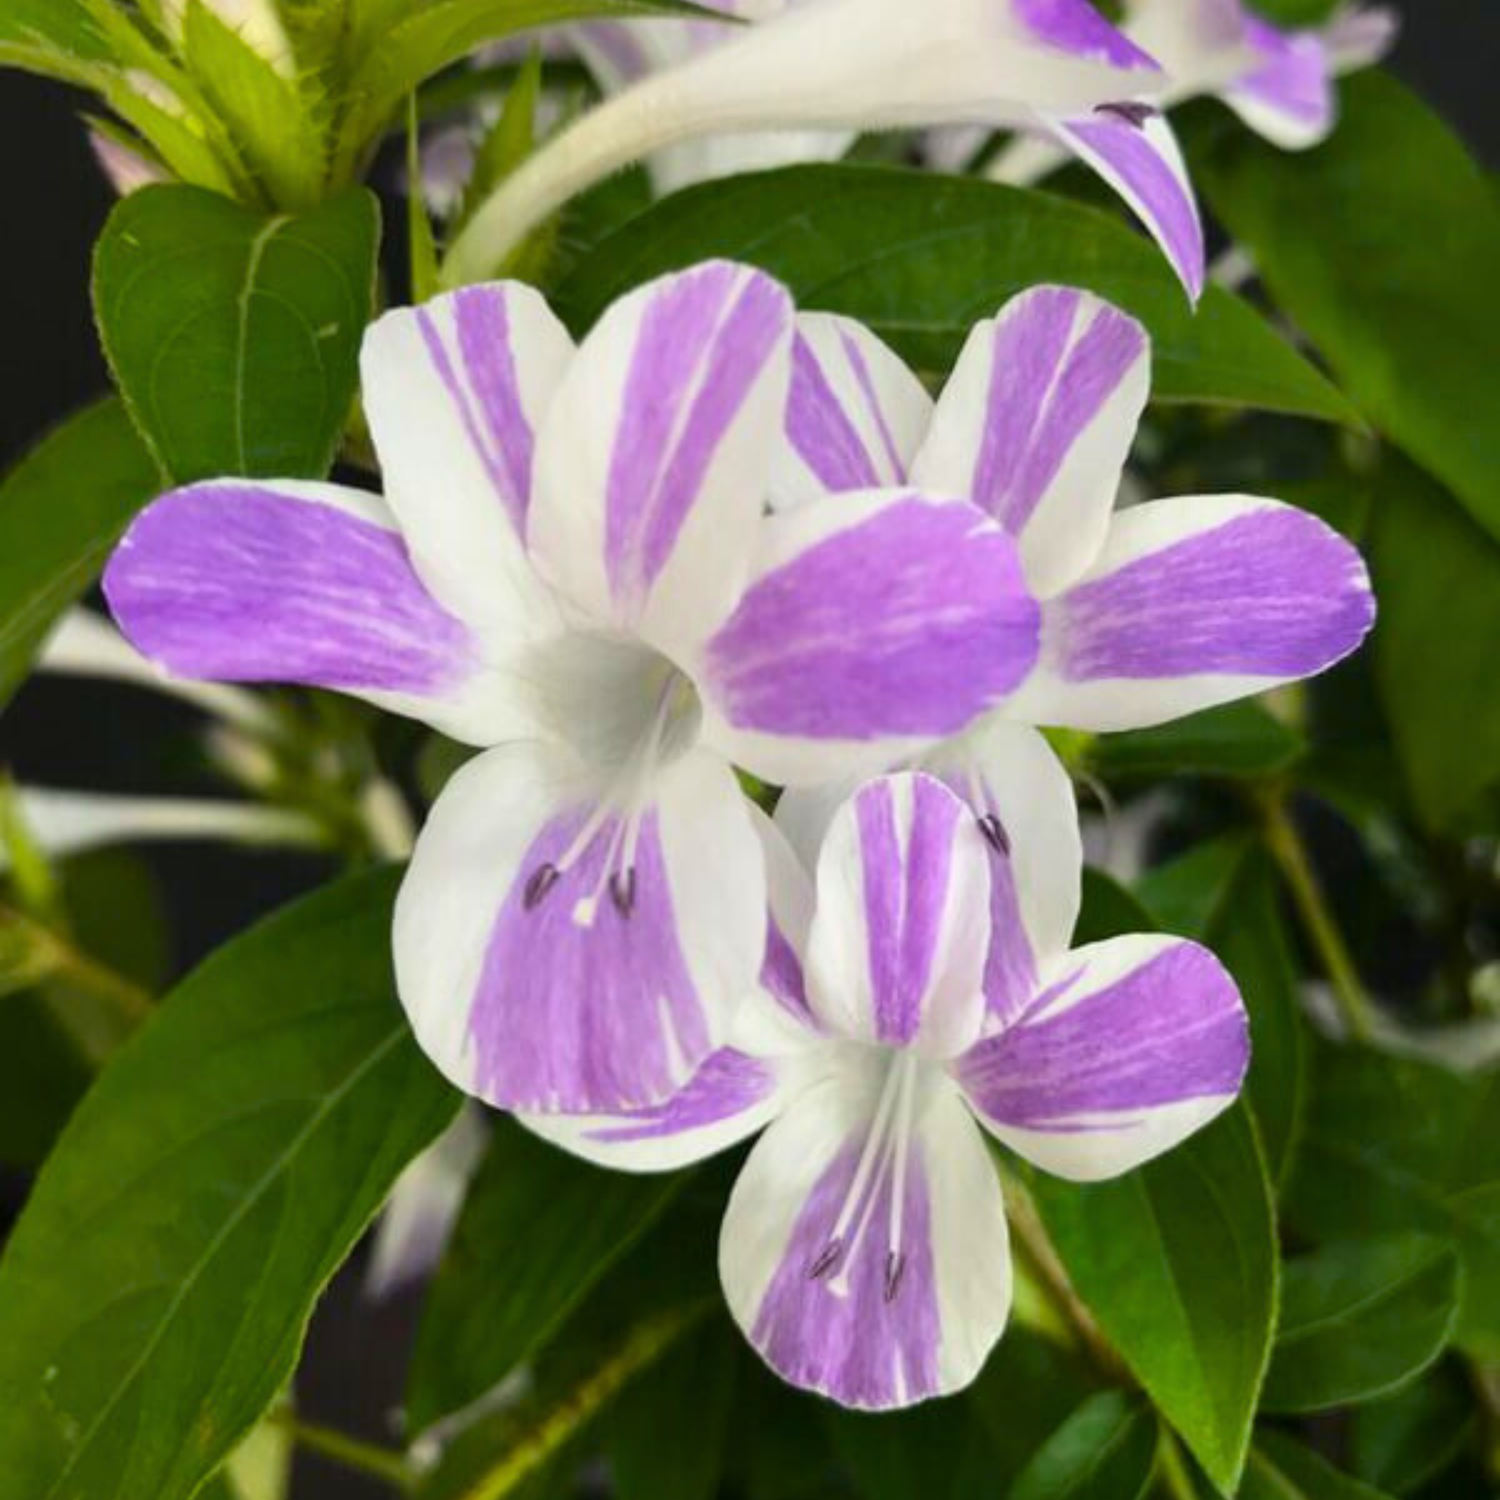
385 1464
1287 849
1035 1251
564 1417
54 957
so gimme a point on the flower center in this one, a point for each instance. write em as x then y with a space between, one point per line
628 712
883 1165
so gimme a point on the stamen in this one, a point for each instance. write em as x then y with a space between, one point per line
994 832
827 1259
1133 112
895 1262
832 1254
895 1269
543 878
625 802
622 890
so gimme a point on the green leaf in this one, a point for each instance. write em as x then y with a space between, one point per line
779 1447
56 38
927 1450
43 1075
396 46
1360 1320
1401 1443
1109 910
1437 577
661 1291
1408 317
1225 893
154 1294
1190 894
265 111
1104 1451
1237 740
1251 937
920 258
1177 1263
539 1228
1295 12
667 1430
234 337
1282 1469
1392 1144
56 529
53 1038
1027 1389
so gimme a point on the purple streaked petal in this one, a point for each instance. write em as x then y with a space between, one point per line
654 465
1007 773
865 1323
1140 1042
730 1097
702 345
792 900
1143 163
1358 36
253 582
897 949
875 623
855 414
1075 27
1288 97
455 391
1036 422
420 1213
1193 602
530 981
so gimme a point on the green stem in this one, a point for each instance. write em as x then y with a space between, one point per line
56 958
1172 1469
1034 1249
1289 852
567 1415
380 1463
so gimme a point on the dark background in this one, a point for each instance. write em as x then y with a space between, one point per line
97 736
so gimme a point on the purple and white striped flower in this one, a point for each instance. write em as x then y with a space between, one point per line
1148 613
1280 83
848 65
864 1249
572 566
621 53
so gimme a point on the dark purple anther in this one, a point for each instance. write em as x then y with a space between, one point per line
994 832
895 1269
1130 110
622 890
827 1260
543 878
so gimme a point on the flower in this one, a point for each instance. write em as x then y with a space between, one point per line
60 823
1148 613
126 169
1280 83
620 53
864 1248
875 64
423 1207
572 567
